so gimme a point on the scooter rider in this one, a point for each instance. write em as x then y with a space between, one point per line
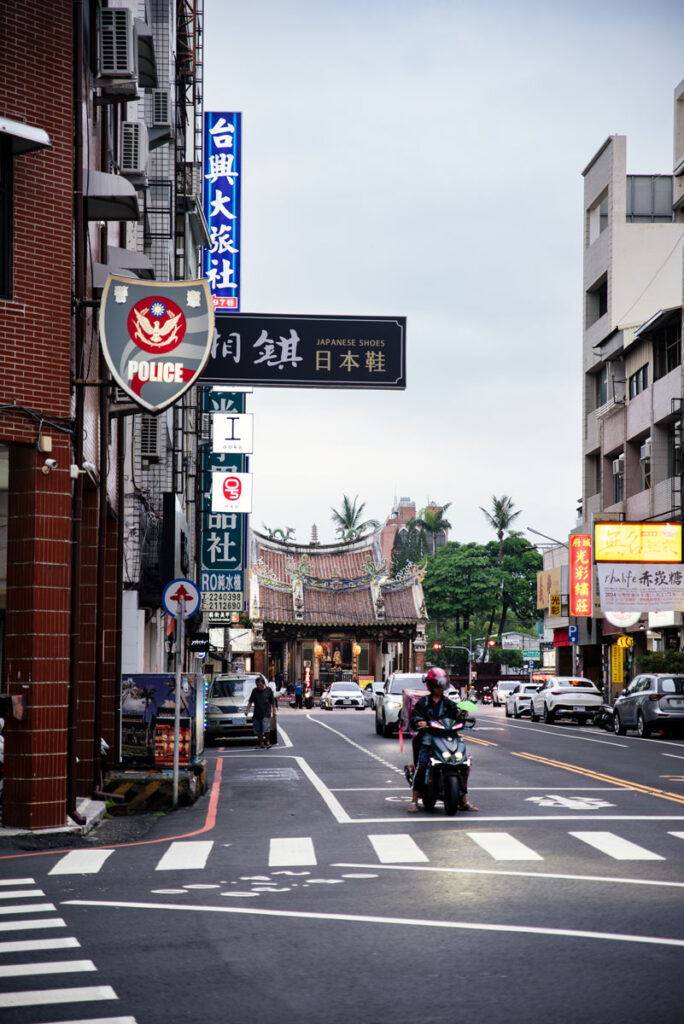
433 706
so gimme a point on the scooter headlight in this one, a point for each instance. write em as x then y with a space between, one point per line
458 756
446 755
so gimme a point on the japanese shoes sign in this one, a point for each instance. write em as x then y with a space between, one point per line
222 187
156 337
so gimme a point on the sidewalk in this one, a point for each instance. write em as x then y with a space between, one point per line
92 810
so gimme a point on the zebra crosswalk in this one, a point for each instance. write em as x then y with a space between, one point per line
386 848
21 985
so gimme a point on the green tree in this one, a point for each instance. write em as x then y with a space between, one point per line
460 585
408 547
349 521
519 564
500 517
432 521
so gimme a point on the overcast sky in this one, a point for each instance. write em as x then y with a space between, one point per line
424 159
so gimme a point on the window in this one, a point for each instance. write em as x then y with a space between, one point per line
649 198
638 381
602 386
645 463
667 350
618 478
598 219
596 304
6 180
674 449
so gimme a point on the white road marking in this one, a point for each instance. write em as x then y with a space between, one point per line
677 835
615 846
17 881
678 756
287 742
402 922
502 846
29 908
331 801
33 945
20 926
81 862
504 872
358 746
18 894
185 856
45 997
98 1020
34 969
397 849
284 853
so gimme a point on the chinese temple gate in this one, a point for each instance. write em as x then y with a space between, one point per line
332 611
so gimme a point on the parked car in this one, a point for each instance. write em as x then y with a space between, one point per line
651 702
226 706
502 689
565 697
371 692
518 701
343 695
388 701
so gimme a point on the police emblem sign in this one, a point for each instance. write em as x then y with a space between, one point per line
156 337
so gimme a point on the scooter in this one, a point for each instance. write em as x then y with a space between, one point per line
486 697
446 775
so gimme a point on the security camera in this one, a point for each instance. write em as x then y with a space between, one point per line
49 465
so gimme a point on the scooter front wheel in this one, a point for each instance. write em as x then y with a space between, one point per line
429 796
452 794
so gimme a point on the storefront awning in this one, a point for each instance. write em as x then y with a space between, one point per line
110 197
24 137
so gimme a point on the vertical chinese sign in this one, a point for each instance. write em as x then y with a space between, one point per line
581 570
222 189
223 543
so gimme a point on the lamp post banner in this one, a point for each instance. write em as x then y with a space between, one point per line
156 337
308 351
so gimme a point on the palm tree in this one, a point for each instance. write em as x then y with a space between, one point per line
432 521
349 522
500 518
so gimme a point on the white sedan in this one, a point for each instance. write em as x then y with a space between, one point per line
566 697
343 695
518 700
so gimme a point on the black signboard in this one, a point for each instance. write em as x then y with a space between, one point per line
269 350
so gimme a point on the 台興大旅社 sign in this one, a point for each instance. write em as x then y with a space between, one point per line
308 351
156 337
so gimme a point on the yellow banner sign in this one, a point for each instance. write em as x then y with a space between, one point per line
616 664
555 604
638 542
548 583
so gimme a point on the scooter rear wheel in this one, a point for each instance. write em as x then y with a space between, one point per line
452 794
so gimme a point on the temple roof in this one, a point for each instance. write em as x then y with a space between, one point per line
344 584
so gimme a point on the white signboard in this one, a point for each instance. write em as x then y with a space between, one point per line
640 587
231 492
233 433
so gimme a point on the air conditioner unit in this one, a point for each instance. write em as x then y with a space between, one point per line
117 48
618 465
645 451
134 148
161 107
149 437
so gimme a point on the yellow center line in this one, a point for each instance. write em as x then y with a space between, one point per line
649 790
483 743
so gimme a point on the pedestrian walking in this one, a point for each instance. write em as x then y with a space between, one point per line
262 700
298 693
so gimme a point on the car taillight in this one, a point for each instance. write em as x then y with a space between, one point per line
558 693
655 696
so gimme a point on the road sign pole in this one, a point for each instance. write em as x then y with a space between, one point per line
180 641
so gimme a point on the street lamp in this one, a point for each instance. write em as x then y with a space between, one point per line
546 537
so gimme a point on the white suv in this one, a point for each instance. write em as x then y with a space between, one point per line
502 690
567 697
389 700
518 702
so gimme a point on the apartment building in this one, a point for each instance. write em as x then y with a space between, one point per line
632 349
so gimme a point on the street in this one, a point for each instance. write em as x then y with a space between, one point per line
299 889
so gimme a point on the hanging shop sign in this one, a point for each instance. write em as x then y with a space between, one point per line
617 663
308 351
156 337
580 575
638 542
222 190
232 433
549 581
640 588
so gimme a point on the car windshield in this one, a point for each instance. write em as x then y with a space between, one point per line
344 688
672 684
236 687
406 682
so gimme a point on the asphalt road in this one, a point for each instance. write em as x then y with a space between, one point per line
300 890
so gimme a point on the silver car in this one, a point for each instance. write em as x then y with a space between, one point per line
389 700
226 705
651 702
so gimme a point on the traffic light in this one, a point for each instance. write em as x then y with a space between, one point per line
491 642
436 647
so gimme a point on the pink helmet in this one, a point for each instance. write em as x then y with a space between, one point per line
436 677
